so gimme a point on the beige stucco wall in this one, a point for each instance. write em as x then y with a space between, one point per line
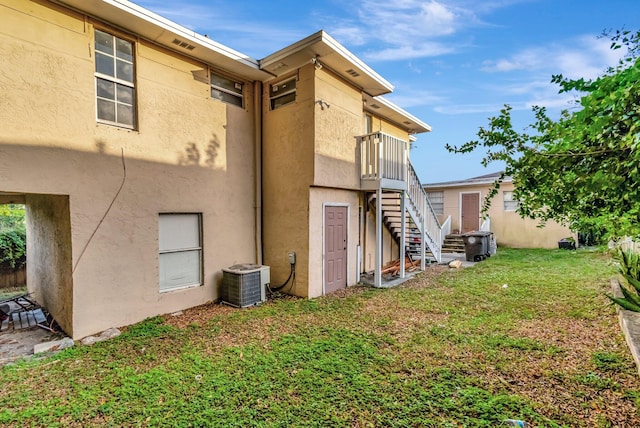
336 128
310 158
189 154
508 227
288 153
49 235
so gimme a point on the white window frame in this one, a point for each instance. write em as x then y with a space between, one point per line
181 242
509 204
226 89
436 199
283 93
115 80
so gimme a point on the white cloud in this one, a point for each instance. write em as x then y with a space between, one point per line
412 98
582 56
405 28
492 108
424 50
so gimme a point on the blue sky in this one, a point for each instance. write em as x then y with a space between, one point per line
454 63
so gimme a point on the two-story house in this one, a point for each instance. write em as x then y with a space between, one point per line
150 158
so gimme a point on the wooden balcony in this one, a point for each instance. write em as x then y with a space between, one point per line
383 162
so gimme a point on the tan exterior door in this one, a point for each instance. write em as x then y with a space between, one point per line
469 212
335 248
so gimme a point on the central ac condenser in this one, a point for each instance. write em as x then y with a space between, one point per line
244 284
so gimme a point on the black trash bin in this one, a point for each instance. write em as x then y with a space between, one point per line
476 245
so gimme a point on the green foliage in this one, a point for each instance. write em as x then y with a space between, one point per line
13 247
11 216
582 170
630 280
609 361
454 350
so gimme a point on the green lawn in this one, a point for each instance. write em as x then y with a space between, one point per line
526 334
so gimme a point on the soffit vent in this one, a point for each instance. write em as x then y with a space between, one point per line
352 72
375 106
406 122
182 44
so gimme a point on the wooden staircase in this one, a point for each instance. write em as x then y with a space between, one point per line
453 243
392 220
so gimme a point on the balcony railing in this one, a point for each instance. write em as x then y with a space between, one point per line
385 164
383 157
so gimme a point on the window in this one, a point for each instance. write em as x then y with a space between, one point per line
509 203
368 124
226 90
282 93
115 89
437 202
180 244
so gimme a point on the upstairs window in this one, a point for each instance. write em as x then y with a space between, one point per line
368 124
436 199
226 90
510 204
115 88
282 93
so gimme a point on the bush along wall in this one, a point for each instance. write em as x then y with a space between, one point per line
13 248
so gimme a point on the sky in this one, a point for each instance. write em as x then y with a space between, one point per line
453 63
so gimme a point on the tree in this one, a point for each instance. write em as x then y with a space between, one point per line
581 170
11 216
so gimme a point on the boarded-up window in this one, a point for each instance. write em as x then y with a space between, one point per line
437 202
180 245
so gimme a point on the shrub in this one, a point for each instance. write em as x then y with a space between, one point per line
630 280
13 247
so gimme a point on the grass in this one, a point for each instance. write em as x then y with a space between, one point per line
448 349
10 292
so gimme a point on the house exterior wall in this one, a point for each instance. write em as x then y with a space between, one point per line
189 153
288 168
336 128
508 227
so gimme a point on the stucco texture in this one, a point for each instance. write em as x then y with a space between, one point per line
508 227
189 153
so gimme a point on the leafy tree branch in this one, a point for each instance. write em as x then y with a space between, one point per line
582 169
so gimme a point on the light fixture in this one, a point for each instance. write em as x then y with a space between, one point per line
316 63
323 104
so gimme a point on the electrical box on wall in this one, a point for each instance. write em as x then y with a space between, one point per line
292 258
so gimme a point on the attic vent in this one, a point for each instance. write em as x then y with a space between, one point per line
375 106
182 44
352 72
406 122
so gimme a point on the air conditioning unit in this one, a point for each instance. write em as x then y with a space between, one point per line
244 284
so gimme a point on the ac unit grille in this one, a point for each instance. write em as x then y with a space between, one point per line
243 285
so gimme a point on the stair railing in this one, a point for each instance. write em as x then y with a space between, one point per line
446 230
418 198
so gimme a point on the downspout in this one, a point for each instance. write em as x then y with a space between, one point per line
257 125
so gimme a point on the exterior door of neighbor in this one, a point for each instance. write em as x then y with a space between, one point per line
470 212
335 248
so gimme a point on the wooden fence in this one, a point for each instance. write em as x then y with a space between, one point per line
10 278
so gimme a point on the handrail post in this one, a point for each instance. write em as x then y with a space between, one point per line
403 232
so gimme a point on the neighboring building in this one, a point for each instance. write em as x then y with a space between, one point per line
458 205
150 158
